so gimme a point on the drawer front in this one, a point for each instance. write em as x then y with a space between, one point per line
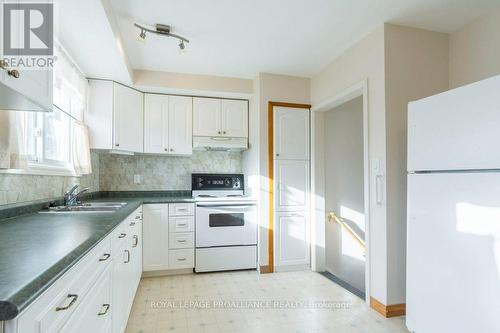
181 259
181 224
51 310
94 314
180 209
181 240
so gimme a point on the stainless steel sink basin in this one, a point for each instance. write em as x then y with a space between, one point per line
88 207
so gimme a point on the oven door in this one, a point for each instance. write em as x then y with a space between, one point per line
226 224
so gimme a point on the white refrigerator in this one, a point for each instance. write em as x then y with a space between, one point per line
453 248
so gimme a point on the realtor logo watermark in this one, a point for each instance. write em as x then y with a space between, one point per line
28 34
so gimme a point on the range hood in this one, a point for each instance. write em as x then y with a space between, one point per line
13 100
219 143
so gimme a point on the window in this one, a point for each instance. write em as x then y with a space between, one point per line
49 145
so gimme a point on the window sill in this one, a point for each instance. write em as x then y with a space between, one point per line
42 171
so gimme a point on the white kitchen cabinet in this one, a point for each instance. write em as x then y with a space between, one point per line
207 116
220 118
155 123
168 122
94 314
128 118
234 118
115 117
291 185
292 242
35 85
291 133
155 231
168 236
180 128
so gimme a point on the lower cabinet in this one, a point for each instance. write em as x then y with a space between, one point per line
168 236
96 294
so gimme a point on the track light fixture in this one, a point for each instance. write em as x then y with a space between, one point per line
164 30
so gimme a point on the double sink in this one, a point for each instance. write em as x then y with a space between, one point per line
87 207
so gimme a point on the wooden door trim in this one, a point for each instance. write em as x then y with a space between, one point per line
270 166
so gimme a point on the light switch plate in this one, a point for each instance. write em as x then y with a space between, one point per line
137 179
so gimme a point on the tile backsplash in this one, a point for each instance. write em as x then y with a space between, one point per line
16 188
117 172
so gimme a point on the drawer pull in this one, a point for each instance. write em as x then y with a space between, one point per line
182 209
181 241
138 217
73 297
122 235
136 238
104 311
132 224
181 259
105 257
182 224
128 257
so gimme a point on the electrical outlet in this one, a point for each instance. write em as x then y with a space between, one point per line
137 179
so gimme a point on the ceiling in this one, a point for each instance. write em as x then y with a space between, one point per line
240 38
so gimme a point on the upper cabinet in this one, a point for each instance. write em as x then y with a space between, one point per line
220 118
115 117
291 133
168 124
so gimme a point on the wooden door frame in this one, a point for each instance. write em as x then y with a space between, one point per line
270 166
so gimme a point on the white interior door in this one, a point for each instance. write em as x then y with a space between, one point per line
181 125
206 116
235 118
156 123
292 242
292 185
291 133
453 252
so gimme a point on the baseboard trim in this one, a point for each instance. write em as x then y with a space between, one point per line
388 311
265 269
181 271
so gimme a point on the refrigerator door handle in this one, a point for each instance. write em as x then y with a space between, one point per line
379 194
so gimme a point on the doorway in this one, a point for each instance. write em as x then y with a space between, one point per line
344 196
340 190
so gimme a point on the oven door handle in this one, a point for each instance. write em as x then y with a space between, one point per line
227 205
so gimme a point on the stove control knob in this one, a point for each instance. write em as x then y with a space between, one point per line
236 183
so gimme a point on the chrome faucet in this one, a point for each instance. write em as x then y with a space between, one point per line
71 198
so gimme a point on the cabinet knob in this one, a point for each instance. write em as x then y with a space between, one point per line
224 132
219 132
277 155
171 149
166 149
117 144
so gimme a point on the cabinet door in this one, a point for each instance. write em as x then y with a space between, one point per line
292 238
156 123
155 237
128 119
94 313
235 118
291 185
99 114
291 133
206 117
180 125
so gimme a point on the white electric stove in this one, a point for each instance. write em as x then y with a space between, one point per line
226 223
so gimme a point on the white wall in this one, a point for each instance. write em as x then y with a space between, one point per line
475 51
344 193
416 66
364 60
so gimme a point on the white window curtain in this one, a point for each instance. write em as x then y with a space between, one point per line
71 88
71 91
13 140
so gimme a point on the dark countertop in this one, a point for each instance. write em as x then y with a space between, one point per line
38 248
